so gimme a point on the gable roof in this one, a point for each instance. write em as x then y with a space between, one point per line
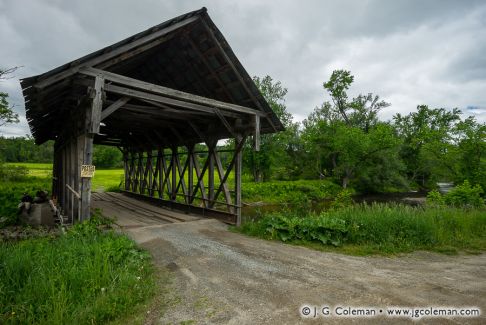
187 53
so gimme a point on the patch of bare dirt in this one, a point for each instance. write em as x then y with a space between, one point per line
222 277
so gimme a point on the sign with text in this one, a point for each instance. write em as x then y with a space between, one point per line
87 171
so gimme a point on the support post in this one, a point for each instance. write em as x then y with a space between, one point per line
92 126
211 145
87 140
126 168
174 174
190 175
257 133
238 170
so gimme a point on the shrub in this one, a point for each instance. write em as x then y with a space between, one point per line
342 199
289 191
320 228
465 195
435 198
11 194
13 173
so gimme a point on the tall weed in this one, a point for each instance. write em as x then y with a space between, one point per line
86 276
380 227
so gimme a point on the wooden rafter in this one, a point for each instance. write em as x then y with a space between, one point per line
112 54
172 93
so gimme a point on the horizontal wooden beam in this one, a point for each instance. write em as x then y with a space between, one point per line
172 93
165 100
116 52
173 114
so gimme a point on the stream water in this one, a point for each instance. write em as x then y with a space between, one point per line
415 198
252 212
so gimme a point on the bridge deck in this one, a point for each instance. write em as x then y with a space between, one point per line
130 212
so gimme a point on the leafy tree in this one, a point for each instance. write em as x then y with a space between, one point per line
7 115
23 149
278 150
107 157
428 144
471 152
344 139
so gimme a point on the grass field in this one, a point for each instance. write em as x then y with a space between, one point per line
269 192
103 179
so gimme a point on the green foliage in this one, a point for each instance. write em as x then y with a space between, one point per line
11 192
427 143
344 139
291 228
12 173
343 199
469 155
379 228
7 115
289 191
107 157
277 153
465 195
435 198
24 149
86 276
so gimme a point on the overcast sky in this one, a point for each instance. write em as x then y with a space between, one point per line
408 52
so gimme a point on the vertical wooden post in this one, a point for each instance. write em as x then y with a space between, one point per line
55 174
140 171
92 126
69 195
211 145
126 168
257 132
86 182
80 158
174 173
149 172
238 171
190 174
76 176
160 158
63 182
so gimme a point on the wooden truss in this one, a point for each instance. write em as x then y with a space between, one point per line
184 178
160 160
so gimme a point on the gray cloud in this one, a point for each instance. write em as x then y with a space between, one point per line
408 52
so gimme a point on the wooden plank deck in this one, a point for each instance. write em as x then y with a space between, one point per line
130 212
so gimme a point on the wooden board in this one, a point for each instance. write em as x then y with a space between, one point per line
130 212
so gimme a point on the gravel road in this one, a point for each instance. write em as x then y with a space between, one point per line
222 277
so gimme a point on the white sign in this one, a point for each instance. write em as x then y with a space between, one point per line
87 171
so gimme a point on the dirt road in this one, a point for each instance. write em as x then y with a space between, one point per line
227 278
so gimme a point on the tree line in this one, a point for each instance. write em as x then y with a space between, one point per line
344 140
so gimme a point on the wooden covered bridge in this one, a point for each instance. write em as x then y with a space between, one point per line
156 96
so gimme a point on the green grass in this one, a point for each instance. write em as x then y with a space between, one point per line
11 193
289 191
379 228
104 178
35 169
107 179
269 192
86 276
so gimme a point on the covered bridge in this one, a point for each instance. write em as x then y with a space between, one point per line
155 96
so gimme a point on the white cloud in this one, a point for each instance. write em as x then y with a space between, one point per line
408 52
